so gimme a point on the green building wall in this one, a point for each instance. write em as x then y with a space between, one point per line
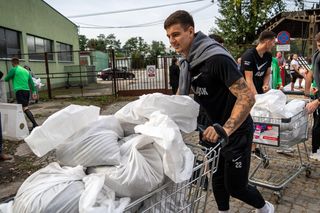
37 18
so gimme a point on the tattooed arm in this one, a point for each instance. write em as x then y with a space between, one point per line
242 107
245 101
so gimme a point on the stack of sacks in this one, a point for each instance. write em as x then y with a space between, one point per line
131 167
273 104
270 104
93 145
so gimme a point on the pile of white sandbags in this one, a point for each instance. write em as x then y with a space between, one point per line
274 108
274 104
103 168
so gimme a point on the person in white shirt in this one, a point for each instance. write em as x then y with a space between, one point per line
294 72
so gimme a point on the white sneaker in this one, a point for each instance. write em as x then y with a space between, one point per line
267 208
315 156
285 150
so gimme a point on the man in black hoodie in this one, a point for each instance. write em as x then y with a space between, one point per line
211 72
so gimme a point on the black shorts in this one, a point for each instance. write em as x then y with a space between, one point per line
294 76
22 97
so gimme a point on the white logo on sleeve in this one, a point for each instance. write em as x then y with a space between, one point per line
247 63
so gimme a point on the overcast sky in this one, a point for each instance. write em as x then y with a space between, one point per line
204 17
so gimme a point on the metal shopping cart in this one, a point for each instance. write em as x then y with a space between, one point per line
188 196
274 170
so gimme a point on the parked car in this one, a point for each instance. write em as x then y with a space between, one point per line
107 74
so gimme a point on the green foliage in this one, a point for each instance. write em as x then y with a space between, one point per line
82 42
137 48
240 19
157 48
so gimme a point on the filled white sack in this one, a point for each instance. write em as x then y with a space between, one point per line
139 172
183 110
294 107
98 198
176 156
93 145
60 126
269 104
51 189
6 207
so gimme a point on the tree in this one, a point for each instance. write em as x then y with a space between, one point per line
137 48
157 48
134 45
82 42
112 41
240 20
97 44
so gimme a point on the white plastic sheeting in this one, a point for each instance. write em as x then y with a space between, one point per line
94 145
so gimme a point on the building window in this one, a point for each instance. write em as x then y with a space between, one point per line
65 52
38 46
9 43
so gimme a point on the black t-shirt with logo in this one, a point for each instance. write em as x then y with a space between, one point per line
251 61
210 82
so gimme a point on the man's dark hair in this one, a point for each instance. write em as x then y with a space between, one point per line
174 60
317 37
15 60
181 17
1 74
216 37
266 35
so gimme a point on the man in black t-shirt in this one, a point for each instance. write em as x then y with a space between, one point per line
256 63
211 72
256 67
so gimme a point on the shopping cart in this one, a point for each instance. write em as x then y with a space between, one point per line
274 170
188 196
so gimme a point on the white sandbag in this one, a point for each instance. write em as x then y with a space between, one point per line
270 104
128 128
294 107
140 170
94 145
6 207
177 157
60 126
98 198
183 110
51 189
126 139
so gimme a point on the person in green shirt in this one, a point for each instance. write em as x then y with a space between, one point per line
276 78
3 156
22 80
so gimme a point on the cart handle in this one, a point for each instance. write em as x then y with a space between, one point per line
224 139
